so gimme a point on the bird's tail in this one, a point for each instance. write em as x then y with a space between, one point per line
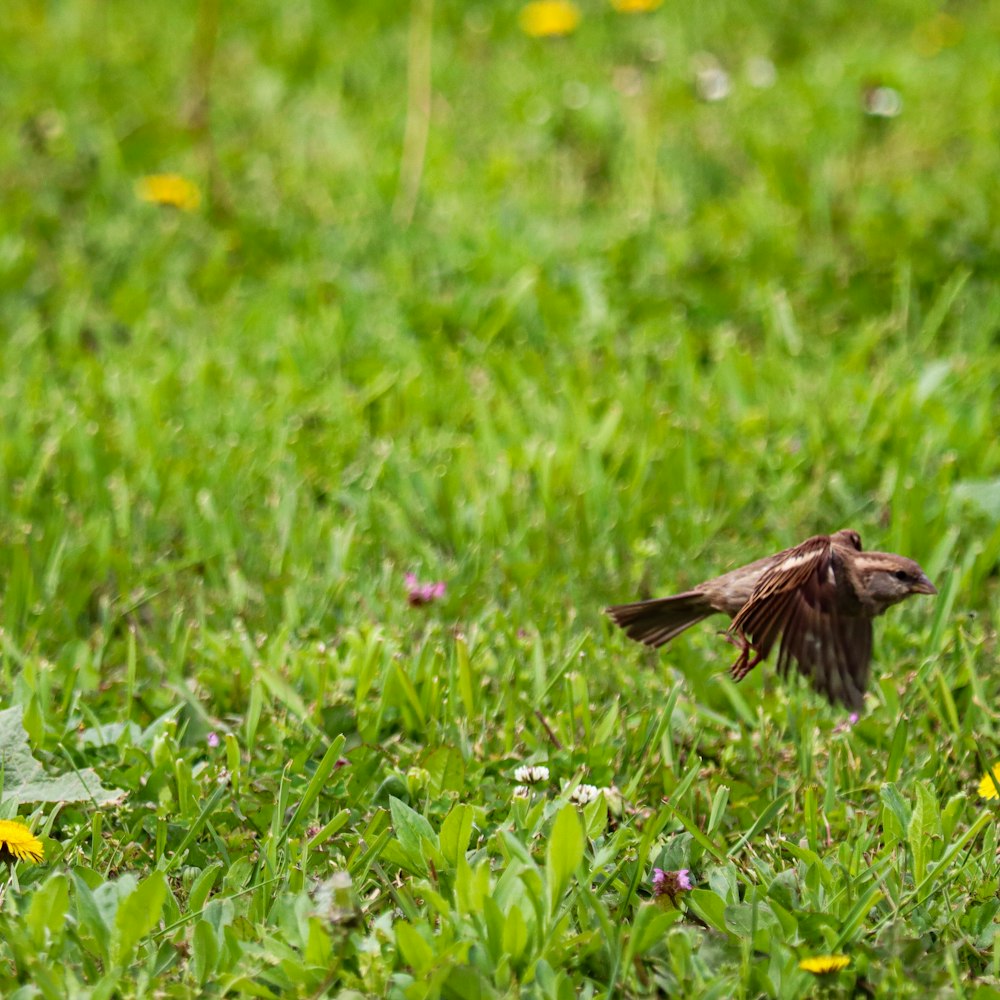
657 621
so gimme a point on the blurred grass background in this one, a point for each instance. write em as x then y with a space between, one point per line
770 283
621 315
602 338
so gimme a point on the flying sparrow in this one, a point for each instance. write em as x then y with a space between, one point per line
819 597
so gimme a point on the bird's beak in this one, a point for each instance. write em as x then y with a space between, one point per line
923 586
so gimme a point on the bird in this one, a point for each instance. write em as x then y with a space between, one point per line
819 597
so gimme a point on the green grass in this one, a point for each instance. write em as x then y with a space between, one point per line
601 341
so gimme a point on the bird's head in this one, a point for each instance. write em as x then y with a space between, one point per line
886 579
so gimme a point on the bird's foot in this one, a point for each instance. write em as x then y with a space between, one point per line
744 664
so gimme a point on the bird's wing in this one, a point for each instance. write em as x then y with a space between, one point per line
832 650
771 601
797 599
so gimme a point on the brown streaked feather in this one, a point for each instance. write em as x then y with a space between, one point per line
768 604
798 600
815 601
832 650
793 567
658 621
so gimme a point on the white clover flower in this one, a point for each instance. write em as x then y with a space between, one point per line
882 102
615 800
583 794
522 792
711 81
531 774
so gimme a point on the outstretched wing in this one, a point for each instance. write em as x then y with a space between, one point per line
833 651
797 599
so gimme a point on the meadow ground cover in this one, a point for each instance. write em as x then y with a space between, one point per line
307 310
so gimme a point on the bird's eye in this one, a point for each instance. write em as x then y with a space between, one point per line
901 574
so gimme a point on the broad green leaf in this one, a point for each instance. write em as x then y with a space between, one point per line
394 854
513 848
416 952
202 886
411 830
204 951
495 921
446 768
319 949
109 895
247 986
564 852
47 913
472 886
649 926
789 925
515 933
107 986
595 816
455 832
219 912
462 981
709 907
896 813
431 853
724 882
25 780
90 918
742 919
139 912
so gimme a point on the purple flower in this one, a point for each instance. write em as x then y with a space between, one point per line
671 883
419 594
213 739
659 881
852 720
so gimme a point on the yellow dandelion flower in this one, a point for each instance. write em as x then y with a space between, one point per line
820 965
988 787
635 6
549 18
18 843
169 189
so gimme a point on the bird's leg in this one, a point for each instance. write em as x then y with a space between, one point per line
744 664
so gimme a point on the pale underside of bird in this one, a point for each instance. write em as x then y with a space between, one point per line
818 598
